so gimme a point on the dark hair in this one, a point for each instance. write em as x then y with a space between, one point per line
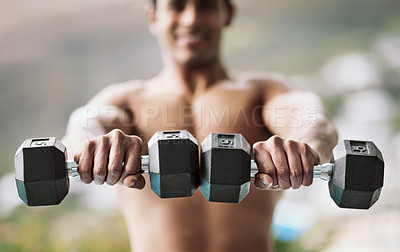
227 2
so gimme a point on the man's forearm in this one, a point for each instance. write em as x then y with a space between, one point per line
322 137
91 121
79 129
301 116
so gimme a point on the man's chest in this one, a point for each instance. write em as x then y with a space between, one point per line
227 111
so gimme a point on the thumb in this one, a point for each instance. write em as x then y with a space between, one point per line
263 181
134 181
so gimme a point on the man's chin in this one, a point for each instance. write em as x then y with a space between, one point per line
197 61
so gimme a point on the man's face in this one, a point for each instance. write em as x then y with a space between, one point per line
189 31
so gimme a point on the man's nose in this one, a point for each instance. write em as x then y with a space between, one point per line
190 15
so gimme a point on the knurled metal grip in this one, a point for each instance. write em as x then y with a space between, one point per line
73 171
323 171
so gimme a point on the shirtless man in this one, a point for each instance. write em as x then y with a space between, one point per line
195 92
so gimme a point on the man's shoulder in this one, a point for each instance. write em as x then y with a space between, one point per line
116 94
124 88
264 78
266 83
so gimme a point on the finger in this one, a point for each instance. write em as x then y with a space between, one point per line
265 165
282 169
317 159
295 165
78 154
115 158
295 170
85 162
101 160
308 159
133 159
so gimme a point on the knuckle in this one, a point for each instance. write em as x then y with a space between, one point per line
305 150
103 140
308 169
99 171
116 132
258 146
273 142
114 168
117 135
84 168
130 169
82 171
90 145
136 142
134 167
120 139
295 173
290 144
282 173
276 139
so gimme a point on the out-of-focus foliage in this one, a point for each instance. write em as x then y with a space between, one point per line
62 228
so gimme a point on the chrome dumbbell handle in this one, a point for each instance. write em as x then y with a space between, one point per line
323 171
72 167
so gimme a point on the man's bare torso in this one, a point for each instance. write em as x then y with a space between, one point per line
194 224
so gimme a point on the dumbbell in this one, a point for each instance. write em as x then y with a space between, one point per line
355 173
42 172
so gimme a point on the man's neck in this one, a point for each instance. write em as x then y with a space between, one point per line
192 80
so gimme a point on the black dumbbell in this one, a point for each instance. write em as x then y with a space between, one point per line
355 173
41 171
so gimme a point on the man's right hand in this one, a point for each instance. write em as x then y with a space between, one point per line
111 158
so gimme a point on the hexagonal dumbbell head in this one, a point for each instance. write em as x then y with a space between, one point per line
357 177
174 164
40 172
225 167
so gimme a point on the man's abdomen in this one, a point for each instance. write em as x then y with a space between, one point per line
194 224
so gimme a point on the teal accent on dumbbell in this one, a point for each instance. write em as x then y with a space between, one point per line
355 173
42 172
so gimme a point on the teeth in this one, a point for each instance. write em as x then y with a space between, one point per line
191 36
185 39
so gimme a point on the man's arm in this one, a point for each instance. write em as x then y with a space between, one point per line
96 137
103 113
303 137
301 116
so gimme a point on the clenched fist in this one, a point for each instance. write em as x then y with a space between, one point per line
284 163
111 158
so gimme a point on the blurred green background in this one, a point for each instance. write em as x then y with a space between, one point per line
55 55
